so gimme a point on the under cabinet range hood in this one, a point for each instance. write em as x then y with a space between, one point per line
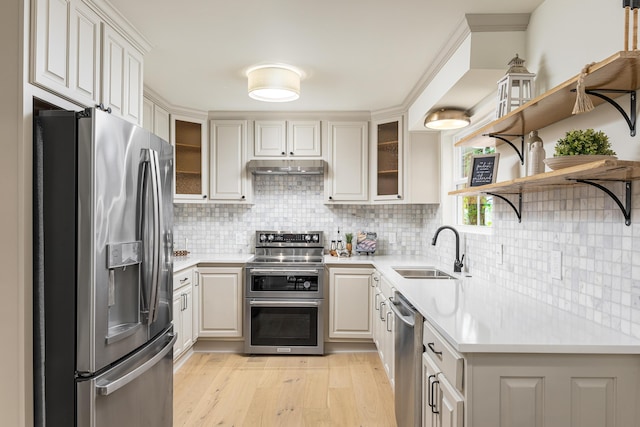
286 167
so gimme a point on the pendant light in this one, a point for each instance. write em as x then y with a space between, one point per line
274 83
447 119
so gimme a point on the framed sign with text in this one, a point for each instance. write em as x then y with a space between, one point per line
484 168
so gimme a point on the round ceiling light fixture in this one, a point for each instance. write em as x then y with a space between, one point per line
447 119
274 83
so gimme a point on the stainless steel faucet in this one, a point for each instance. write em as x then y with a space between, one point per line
457 265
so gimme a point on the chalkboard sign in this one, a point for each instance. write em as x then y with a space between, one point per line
483 169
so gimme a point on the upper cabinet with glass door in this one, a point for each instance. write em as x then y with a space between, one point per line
387 160
191 160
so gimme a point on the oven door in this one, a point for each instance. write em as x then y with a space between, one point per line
283 326
284 282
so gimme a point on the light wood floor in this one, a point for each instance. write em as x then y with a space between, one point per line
223 389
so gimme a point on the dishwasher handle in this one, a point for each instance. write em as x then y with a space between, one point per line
408 320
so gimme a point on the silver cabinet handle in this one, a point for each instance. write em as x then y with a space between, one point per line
281 270
184 280
388 322
268 303
113 386
375 301
382 304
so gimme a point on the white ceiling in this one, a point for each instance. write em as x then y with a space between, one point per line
357 55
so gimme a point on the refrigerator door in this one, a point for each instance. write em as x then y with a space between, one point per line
136 392
111 246
162 314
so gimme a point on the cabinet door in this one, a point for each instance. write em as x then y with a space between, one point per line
84 54
450 405
147 114
422 152
187 317
303 138
178 347
196 305
221 302
161 123
191 160
429 393
350 303
387 160
348 162
227 158
122 76
66 49
270 138
51 66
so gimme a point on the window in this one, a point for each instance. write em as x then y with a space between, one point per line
471 210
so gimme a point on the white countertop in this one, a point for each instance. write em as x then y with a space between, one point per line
476 316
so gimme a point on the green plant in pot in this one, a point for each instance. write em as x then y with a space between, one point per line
580 146
349 237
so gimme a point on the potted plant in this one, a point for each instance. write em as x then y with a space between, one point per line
349 237
580 146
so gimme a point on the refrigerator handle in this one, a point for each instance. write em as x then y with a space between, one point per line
113 386
157 228
143 191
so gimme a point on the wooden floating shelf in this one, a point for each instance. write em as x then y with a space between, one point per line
602 170
383 143
620 71
189 172
387 172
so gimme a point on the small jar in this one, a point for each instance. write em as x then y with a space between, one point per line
333 245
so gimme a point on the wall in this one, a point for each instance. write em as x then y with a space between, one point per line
288 202
600 255
13 373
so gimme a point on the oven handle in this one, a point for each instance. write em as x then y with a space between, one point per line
296 303
281 270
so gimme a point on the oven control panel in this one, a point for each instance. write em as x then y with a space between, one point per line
267 238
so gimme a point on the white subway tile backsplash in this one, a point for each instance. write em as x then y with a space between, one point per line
600 254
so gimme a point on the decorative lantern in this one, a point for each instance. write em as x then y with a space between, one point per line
515 88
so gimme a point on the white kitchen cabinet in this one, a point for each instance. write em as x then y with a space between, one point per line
383 324
529 390
350 295
221 302
183 311
189 139
270 138
66 49
122 76
228 157
387 160
422 156
196 305
280 138
303 138
348 162
156 119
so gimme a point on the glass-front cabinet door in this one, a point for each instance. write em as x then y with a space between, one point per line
388 160
191 158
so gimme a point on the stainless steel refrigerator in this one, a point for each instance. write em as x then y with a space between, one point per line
103 246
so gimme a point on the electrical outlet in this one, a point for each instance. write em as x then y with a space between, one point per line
555 265
392 237
499 254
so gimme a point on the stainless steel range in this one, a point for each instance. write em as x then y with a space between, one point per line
284 294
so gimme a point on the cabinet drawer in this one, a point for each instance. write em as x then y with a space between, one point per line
182 278
449 361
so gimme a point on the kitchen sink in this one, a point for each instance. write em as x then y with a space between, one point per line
422 273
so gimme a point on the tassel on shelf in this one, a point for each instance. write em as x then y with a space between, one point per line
583 102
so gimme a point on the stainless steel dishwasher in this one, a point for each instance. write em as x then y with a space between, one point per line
408 355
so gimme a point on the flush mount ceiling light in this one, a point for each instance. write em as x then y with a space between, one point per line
447 119
274 83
